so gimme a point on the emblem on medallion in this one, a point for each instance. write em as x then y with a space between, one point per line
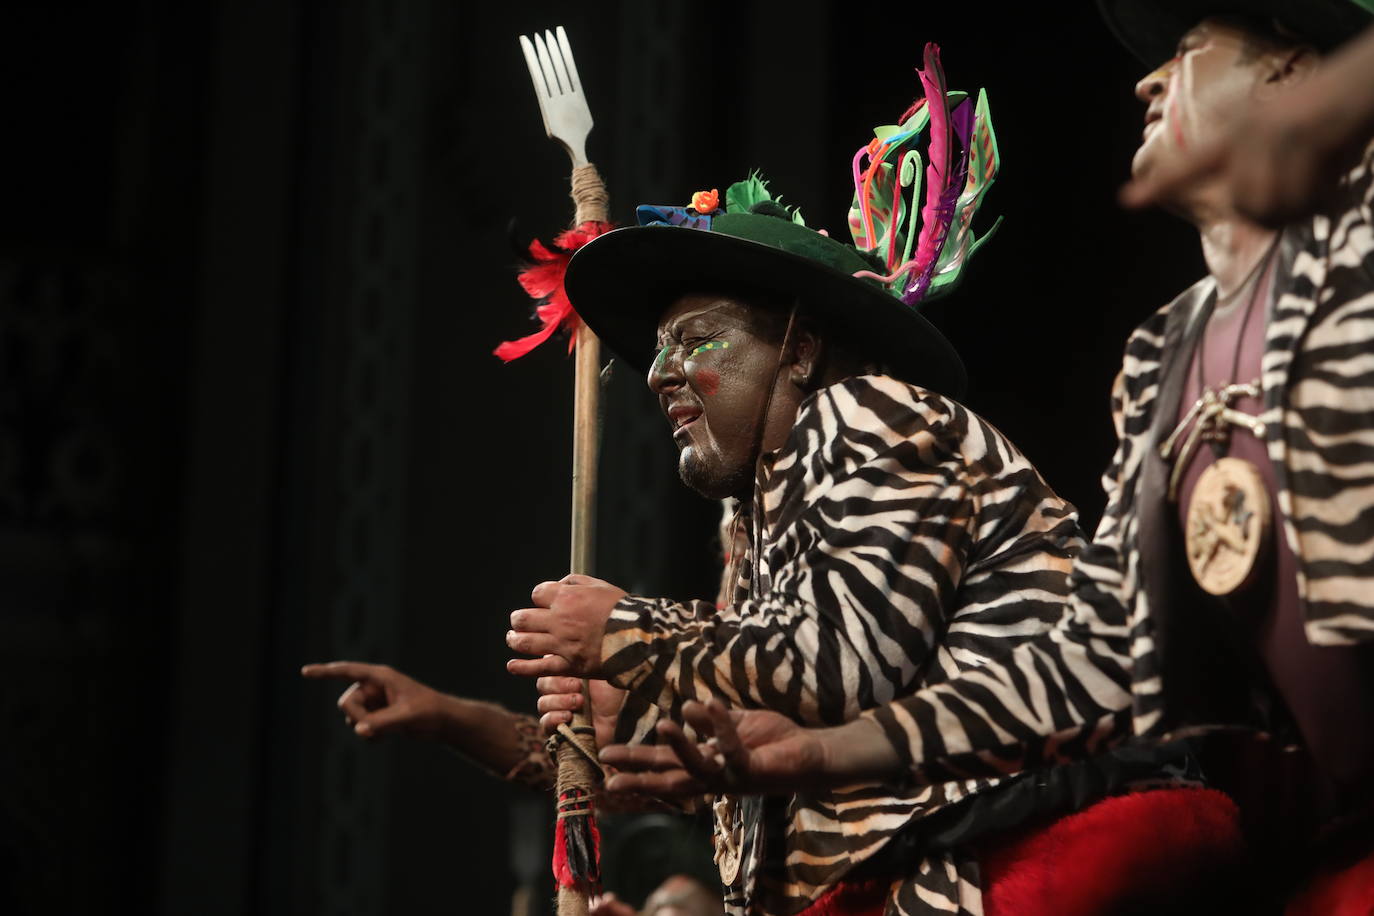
1228 525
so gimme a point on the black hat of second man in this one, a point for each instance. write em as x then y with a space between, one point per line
1151 29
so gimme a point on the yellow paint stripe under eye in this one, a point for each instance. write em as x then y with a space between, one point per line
710 345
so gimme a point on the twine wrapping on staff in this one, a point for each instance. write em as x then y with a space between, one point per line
589 195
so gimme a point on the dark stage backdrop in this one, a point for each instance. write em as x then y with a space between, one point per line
254 256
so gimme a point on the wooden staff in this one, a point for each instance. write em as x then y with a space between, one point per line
577 767
568 120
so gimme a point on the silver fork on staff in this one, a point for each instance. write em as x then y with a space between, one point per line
567 118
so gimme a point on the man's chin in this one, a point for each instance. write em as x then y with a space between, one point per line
710 482
1143 161
1147 160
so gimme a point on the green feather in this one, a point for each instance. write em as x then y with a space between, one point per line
743 196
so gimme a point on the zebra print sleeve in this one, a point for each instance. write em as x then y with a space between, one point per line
1062 695
867 521
1325 420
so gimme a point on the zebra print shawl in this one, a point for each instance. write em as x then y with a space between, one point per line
896 540
1100 676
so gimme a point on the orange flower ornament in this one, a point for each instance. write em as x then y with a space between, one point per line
706 201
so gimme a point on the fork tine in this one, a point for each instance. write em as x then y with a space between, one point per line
541 88
574 79
556 55
545 64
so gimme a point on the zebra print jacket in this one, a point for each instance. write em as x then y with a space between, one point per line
897 540
1119 665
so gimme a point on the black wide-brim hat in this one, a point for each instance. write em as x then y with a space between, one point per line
1151 29
620 283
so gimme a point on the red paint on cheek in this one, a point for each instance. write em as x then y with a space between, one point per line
1176 115
708 382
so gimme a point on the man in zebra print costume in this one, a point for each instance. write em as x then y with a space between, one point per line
896 540
1148 649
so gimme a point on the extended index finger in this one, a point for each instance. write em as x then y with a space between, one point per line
344 671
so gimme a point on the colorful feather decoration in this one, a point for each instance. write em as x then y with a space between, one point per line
924 247
983 162
939 213
543 281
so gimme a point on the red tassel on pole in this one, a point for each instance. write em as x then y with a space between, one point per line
576 843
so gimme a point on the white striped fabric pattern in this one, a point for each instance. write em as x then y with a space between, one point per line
1068 692
896 540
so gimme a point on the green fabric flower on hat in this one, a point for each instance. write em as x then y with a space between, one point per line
752 196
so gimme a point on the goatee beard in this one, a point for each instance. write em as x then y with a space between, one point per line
714 483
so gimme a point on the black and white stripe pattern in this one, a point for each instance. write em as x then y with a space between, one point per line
897 540
1319 385
1097 678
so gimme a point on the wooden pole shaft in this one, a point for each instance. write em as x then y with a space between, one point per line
573 768
589 195
586 401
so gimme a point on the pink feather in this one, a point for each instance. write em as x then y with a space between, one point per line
937 172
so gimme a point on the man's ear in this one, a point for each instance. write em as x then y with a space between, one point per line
807 349
1289 67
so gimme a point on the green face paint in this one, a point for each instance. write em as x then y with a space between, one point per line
662 355
709 345
666 348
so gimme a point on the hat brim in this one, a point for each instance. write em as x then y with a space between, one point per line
621 282
1151 29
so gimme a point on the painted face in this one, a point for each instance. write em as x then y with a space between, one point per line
1193 98
716 359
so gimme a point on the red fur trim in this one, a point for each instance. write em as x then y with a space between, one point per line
543 281
1121 849
851 898
1338 892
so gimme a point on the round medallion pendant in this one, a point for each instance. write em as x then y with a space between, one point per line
1228 525
729 838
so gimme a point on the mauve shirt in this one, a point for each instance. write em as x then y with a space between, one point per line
1329 690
